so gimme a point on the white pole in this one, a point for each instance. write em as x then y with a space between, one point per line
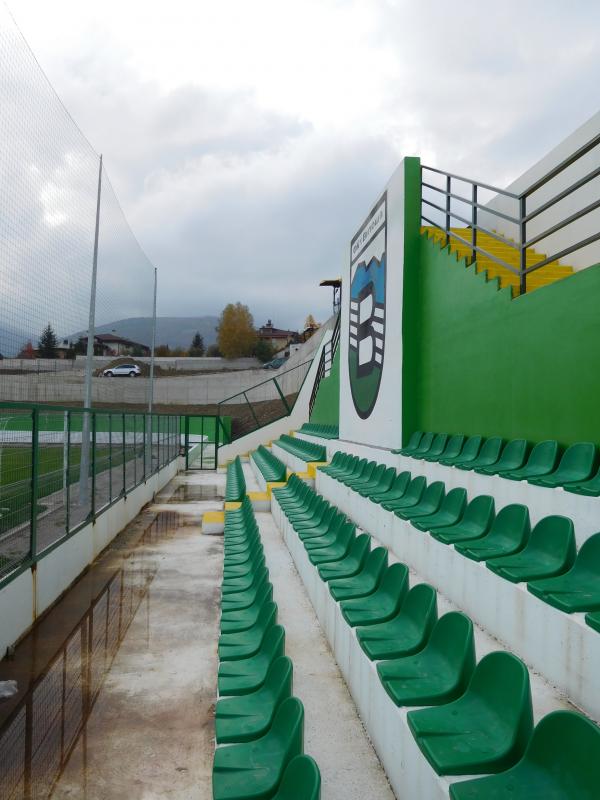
84 464
65 454
151 381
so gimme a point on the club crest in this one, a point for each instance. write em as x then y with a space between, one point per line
366 334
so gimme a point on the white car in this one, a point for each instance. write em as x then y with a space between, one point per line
130 370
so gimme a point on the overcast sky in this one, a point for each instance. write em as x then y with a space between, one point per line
246 140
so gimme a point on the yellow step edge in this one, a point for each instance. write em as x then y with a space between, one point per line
232 505
313 465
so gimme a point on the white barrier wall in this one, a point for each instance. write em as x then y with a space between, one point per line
33 592
371 323
576 231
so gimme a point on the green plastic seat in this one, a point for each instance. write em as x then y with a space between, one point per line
358 467
561 762
234 603
236 585
576 466
411 496
384 484
383 604
424 446
550 551
253 770
301 780
363 477
412 445
508 534
474 524
349 565
235 487
320 527
246 717
593 620
364 582
453 448
396 490
405 633
437 674
437 448
246 568
347 464
334 525
469 452
306 451
429 503
486 729
513 457
579 588
374 484
589 488
248 674
488 455
234 646
451 511
328 539
336 551
239 621
541 461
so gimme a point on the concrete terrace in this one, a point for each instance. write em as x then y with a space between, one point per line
117 682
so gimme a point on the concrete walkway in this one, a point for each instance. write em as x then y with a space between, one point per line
333 732
151 735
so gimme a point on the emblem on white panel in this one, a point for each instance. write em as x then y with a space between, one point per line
366 334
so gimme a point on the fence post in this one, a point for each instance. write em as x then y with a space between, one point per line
186 441
281 394
35 423
123 455
448 190
474 223
68 486
93 503
523 249
110 419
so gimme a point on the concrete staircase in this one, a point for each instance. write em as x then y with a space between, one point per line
542 277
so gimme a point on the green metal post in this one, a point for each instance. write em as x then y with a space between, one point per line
35 423
68 486
186 430
123 454
93 503
281 394
251 409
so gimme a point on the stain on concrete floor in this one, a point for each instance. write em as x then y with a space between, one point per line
117 682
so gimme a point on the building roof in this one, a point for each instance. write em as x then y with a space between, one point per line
269 332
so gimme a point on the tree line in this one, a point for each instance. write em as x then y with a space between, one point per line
237 337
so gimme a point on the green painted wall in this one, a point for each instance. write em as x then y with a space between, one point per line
326 409
482 363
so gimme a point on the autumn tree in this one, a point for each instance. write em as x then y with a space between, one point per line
48 343
236 336
197 345
26 351
310 323
162 350
212 351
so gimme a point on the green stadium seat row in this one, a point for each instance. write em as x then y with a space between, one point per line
235 487
324 431
577 469
272 469
544 556
256 716
473 717
307 451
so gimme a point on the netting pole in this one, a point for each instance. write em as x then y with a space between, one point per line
151 381
84 465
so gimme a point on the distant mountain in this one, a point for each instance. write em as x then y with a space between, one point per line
174 331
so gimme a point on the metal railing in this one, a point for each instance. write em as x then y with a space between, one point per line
265 402
325 363
522 216
46 495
